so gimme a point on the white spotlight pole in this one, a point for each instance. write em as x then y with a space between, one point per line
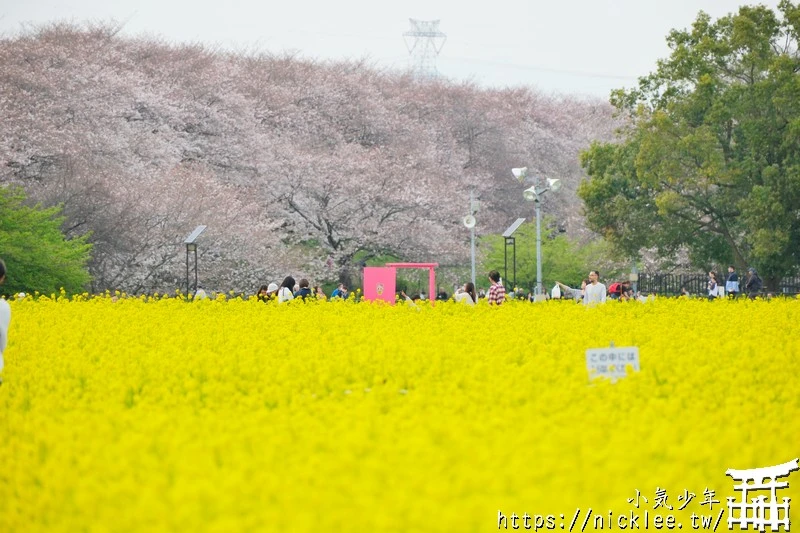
472 235
469 222
539 288
533 194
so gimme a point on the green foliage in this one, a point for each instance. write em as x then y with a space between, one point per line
710 161
375 259
36 253
563 259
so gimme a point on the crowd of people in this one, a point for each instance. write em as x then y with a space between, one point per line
591 291
732 289
289 289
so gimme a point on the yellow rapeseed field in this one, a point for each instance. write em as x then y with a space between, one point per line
150 414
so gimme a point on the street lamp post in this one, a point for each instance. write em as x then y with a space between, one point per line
508 236
534 194
469 222
191 246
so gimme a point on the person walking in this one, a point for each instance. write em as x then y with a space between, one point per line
732 282
595 292
753 283
497 293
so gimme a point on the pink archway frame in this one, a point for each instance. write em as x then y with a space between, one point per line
380 282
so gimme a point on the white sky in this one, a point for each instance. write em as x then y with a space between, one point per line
578 47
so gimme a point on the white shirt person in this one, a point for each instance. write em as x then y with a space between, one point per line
286 292
466 294
575 294
595 292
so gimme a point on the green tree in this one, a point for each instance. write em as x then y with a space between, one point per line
710 159
37 255
563 259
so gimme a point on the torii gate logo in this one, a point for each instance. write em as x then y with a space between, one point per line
760 512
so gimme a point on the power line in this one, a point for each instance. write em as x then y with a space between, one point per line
546 69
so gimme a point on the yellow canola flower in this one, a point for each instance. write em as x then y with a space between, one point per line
149 414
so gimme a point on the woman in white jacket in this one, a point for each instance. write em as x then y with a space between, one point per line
466 294
286 292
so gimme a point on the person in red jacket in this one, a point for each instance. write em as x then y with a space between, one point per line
615 290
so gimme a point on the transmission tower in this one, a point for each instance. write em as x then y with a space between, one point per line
424 42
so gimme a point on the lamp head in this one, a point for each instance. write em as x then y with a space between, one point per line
520 173
469 221
195 234
530 194
554 184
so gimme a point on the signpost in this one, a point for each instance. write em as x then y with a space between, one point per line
611 362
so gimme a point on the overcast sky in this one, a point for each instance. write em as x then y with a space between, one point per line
578 47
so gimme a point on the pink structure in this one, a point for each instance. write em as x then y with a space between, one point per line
380 282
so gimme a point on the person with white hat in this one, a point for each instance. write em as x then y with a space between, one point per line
267 293
272 291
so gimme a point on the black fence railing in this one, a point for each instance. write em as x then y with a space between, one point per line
789 286
670 284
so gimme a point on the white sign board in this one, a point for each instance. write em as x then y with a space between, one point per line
611 362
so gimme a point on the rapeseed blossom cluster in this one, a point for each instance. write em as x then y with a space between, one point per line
226 414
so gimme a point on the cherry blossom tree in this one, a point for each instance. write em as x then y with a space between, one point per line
295 166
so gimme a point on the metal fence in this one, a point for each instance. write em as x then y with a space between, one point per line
670 284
